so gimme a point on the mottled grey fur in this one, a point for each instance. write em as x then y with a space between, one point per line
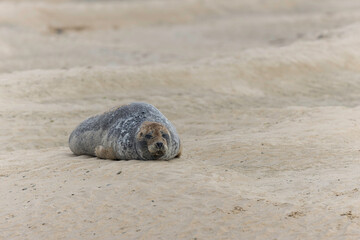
117 129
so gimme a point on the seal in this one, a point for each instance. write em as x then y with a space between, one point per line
135 131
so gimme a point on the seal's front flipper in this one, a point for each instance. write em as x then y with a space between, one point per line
180 151
105 153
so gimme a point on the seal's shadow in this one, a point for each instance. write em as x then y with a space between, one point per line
73 156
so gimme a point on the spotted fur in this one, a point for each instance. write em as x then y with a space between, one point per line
134 131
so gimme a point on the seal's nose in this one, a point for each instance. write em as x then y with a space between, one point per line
159 144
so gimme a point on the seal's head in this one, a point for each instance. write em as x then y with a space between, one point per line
152 140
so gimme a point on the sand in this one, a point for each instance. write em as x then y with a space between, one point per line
264 94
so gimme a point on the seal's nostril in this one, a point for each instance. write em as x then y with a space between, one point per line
159 144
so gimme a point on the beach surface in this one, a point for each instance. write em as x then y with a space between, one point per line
264 94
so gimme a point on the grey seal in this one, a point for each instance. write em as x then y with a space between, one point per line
135 131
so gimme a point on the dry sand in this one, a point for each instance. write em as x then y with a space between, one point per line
265 95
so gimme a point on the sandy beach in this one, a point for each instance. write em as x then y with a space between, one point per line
264 94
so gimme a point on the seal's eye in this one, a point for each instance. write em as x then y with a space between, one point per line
148 136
